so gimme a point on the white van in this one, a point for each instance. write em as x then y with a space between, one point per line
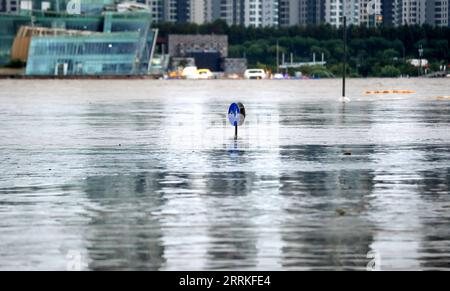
255 74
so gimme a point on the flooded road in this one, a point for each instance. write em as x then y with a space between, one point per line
146 175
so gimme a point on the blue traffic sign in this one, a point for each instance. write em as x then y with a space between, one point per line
234 115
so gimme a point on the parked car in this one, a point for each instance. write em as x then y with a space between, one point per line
204 74
279 76
190 73
255 74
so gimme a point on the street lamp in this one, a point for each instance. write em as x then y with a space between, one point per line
344 62
420 59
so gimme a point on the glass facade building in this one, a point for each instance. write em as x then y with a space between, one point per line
119 43
9 25
94 54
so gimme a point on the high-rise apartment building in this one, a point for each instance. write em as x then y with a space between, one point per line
294 12
335 10
261 13
9 6
231 11
387 12
370 12
289 12
437 12
194 11
156 9
413 12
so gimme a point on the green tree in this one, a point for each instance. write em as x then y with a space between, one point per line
390 72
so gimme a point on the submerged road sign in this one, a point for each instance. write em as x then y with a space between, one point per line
236 115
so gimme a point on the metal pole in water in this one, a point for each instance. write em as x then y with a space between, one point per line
278 57
235 132
344 73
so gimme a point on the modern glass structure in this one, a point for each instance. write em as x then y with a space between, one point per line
94 54
9 25
120 43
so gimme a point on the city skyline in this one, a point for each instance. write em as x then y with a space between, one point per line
270 13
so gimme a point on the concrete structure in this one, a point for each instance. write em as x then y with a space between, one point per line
261 13
370 13
198 11
289 12
156 8
303 12
10 6
231 11
335 10
437 12
257 13
182 45
194 11
388 12
86 6
413 12
207 51
235 66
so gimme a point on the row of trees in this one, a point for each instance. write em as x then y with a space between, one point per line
381 51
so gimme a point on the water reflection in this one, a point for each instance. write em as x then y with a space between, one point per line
327 225
124 233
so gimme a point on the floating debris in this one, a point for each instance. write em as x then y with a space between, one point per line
374 92
341 212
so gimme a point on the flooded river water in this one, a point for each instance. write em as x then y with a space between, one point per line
146 175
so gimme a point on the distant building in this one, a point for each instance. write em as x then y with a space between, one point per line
9 6
303 12
288 13
230 11
62 44
91 54
335 10
312 12
183 45
413 12
257 13
156 9
388 12
86 6
261 13
370 12
235 66
198 11
438 12
194 11
208 51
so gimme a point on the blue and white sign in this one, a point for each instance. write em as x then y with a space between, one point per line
234 114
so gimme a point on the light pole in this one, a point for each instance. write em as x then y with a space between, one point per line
420 59
344 71
278 57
